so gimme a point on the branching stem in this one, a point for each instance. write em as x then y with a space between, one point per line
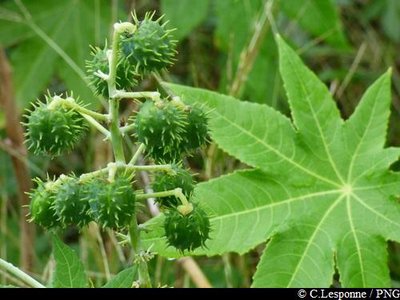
127 128
184 209
130 167
116 141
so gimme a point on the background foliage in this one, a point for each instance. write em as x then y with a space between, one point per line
225 46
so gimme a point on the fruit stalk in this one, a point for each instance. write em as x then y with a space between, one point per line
116 140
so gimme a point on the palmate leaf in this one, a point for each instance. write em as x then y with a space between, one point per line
322 191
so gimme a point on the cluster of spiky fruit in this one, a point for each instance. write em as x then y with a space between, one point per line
151 48
71 201
184 231
53 130
170 129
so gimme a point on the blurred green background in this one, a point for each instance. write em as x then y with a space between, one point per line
224 45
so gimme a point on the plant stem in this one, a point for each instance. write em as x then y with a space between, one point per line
163 168
70 102
175 192
116 141
112 64
19 274
129 166
144 277
88 114
134 234
136 155
122 94
88 176
156 194
181 196
116 138
127 128
96 125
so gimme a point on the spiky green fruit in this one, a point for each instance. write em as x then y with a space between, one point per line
125 76
53 131
196 129
71 208
112 203
41 208
160 127
164 182
187 232
151 48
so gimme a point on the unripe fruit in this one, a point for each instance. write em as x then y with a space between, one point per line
53 131
160 127
42 206
196 129
125 77
187 232
70 206
112 203
151 48
164 182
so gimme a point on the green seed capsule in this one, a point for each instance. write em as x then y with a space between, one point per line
125 76
196 129
160 127
164 182
42 206
70 206
53 131
187 232
151 48
112 204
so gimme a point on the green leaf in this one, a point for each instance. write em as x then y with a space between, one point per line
319 18
12 26
69 272
70 25
263 84
7 176
391 19
34 63
123 279
233 34
184 15
323 194
234 28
